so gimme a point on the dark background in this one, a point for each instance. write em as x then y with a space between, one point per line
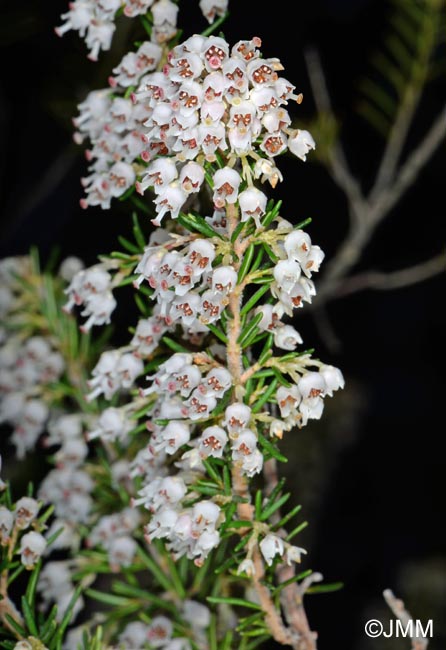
370 474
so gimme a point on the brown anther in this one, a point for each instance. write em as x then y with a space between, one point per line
213 381
273 144
244 449
225 189
211 441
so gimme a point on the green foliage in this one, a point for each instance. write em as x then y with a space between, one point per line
405 62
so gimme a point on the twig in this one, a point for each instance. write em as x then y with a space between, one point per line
366 213
397 607
297 635
410 169
338 165
395 279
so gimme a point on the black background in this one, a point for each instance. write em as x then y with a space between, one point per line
370 474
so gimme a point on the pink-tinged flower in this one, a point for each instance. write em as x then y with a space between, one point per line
212 442
170 199
191 177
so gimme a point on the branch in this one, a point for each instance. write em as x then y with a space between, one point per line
410 169
338 165
397 607
394 280
366 213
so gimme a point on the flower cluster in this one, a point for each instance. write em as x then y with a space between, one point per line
114 534
15 521
94 19
68 486
55 586
209 100
160 632
26 366
92 288
186 287
304 401
115 370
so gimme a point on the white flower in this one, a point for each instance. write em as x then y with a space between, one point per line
159 174
333 379
224 279
252 204
191 177
287 338
237 418
113 424
78 18
161 524
98 309
270 546
121 177
246 454
69 267
205 515
159 632
266 170
287 274
293 554
172 437
216 382
99 37
6 523
71 454
301 143
312 385
54 580
213 441
26 510
244 445
208 540
199 406
170 199
32 545
246 566
128 368
134 636
270 319
226 184
22 645
288 400
297 245
196 614
121 552
200 255
213 8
